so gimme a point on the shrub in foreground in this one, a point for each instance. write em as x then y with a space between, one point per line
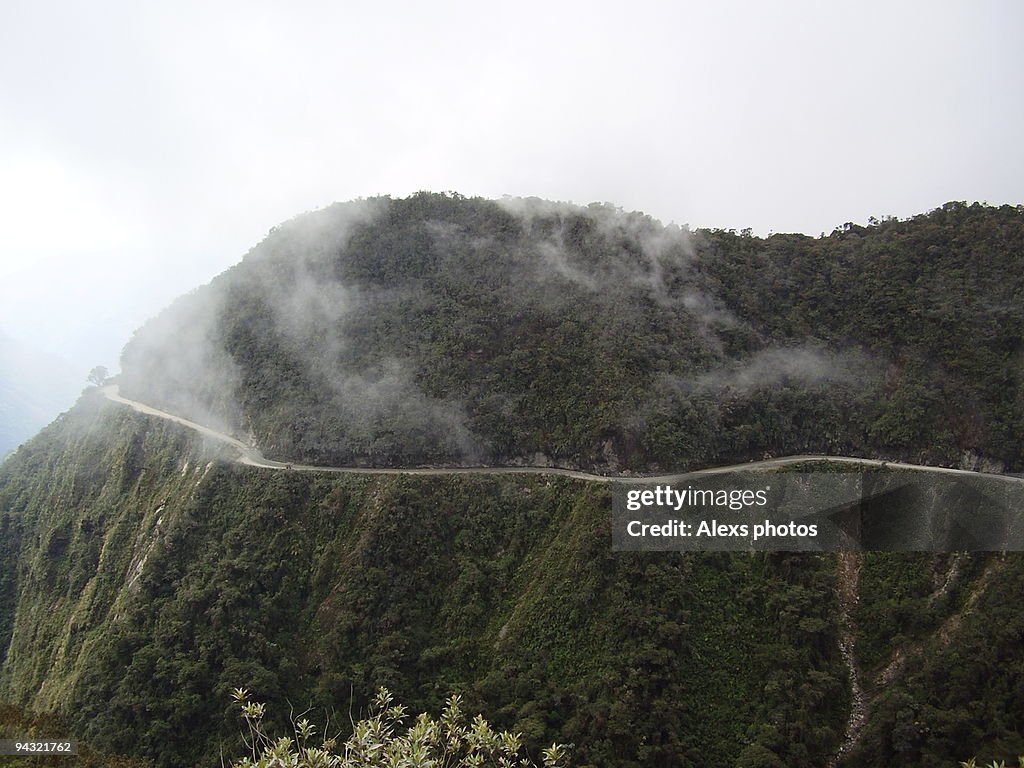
382 740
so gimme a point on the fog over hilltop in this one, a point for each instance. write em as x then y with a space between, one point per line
439 328
143 150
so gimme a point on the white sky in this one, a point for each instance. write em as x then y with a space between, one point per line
145 146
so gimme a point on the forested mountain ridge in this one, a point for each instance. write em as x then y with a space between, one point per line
144 577
439 329
143 574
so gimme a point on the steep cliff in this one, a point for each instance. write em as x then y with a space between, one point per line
144 572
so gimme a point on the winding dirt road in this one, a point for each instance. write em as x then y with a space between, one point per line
849 562
251 456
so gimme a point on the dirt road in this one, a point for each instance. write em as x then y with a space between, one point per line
251 456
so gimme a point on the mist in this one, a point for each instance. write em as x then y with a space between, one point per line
135 175
382 331
284 301
775 366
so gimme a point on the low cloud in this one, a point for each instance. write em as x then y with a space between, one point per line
773 367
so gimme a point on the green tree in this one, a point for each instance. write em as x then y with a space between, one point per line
98 376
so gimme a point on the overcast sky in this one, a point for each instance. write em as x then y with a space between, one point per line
145 147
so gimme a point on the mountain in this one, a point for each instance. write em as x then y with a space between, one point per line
34 388
145 572
439 329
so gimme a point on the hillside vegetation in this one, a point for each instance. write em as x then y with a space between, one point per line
144 578
144 574
150 580
440 329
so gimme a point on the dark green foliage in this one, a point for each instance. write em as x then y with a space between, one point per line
17 724
143 576
313 588
938 299
904 598
445 329
964 697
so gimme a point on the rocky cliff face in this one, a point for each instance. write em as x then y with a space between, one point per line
145 575
976 462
